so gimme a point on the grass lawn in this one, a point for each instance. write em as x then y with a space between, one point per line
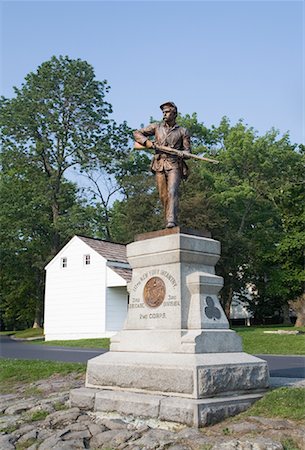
255 341
82 343
16 371
285 403
23 334
30 332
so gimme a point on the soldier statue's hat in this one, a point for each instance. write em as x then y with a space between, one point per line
172 104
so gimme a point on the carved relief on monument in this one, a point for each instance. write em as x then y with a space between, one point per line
210 310
154 292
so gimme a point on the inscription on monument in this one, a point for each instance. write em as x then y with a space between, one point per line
154 292
152 295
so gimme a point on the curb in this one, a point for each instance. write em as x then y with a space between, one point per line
37 338
276 382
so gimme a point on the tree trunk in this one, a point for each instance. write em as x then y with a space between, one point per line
298 306
38 313
286 316
56 236
300 322
228 303
38 320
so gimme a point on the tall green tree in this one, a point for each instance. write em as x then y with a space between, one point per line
289 258
26 236
247 201
57 121
59 118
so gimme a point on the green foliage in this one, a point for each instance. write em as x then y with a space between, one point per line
289 444
243 192
26 231
32 391
58 406
39 415
8 429
58 120
140 209
27 444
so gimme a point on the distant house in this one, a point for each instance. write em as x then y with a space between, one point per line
239 312
86 295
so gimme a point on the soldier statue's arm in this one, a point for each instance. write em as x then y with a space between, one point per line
141 136
186 143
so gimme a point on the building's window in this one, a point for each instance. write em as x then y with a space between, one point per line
86 260
63 262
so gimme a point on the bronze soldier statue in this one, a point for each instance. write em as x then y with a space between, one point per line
169 168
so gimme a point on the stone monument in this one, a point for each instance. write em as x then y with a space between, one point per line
176 358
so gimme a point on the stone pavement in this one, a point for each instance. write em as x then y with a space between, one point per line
39 418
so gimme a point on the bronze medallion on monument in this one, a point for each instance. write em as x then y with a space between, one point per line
154 292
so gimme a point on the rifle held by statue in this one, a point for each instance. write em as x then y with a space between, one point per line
173 151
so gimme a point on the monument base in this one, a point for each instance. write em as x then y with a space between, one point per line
195 390
177 341
191 412
182 375
176 358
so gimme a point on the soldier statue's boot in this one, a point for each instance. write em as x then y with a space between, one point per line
170 225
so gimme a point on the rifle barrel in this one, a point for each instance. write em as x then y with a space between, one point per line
173 151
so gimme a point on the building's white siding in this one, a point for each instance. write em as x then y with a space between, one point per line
113 279
116 310
239 310
75 297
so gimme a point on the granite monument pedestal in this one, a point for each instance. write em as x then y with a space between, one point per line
176 358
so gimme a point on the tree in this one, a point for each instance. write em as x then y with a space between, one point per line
139 210
59 119
26 236
289 257
254 174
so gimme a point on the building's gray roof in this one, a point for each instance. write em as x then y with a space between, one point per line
116 253
109 250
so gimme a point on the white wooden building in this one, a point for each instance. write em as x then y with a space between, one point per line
239 311
85 294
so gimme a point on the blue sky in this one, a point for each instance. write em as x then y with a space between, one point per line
243 59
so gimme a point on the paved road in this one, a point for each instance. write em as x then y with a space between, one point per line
279 366
285 366
22 350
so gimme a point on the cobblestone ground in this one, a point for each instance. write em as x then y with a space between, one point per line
39 418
